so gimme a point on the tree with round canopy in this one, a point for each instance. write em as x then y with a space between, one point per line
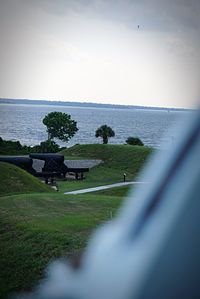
60 125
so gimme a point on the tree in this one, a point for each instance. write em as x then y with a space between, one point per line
104 132
134 141
60 125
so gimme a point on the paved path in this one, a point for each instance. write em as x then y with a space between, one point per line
104 187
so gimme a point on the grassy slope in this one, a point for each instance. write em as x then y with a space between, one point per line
14 180
117 159
117 191
37 228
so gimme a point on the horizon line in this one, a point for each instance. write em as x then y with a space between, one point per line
97 103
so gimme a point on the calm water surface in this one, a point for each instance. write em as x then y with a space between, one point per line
24 123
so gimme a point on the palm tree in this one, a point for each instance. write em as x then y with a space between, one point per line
105 132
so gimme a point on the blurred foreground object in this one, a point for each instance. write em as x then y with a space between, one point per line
151 250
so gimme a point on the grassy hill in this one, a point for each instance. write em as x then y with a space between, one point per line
14 180
117 159
113 155
37 227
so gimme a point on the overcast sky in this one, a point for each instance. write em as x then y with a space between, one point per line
93 51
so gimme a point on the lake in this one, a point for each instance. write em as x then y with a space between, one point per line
24 123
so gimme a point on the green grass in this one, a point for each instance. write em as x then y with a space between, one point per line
117 159
14 180
117 191
37 228
38 225
117 156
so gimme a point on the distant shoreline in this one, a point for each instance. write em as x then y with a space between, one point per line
85 105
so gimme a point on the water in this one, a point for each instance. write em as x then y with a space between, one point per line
24 123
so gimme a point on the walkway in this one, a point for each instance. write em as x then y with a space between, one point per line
103 187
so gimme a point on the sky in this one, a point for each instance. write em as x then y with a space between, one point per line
139 52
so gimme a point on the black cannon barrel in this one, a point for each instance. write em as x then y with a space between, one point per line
47 156
22 162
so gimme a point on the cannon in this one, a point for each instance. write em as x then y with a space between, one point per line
53 162
51 165
54 165
25 163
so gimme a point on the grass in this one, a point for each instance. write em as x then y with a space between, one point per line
15 180
117 191
117 159
38 225
115 156
37 228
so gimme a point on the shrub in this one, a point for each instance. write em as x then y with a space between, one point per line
49 146
134 141
9 147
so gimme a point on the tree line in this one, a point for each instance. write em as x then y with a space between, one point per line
60 126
